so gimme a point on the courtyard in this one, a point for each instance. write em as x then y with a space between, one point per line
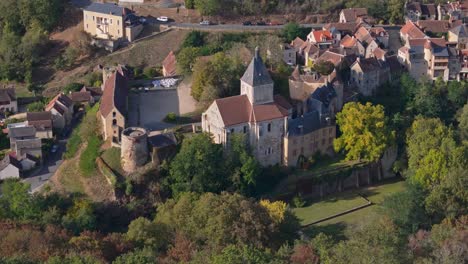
149 108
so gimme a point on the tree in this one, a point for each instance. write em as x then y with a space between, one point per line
450 197
324 67
457 93
16 202
243 166
291 30
186 59
378 242
137 257
242 254
80 216
304 254
148 234
36 106
198 166
463 123
430 145
72 87
194 39
208 7
406 209
238 220
365 133
396 11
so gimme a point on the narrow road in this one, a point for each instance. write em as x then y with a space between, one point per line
54 160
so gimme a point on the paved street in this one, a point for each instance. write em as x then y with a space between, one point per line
50 166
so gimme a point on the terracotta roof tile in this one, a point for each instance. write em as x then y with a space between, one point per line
348 42
321 36
79 97
412 30
234 110
351 14
170 64
434 26
332 57
114 95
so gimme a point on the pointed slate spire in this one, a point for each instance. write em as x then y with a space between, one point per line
256 74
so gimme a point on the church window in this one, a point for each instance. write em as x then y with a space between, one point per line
269 127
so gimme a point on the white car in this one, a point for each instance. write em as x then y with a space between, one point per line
205 23
163 19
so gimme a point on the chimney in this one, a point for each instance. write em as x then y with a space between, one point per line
257 52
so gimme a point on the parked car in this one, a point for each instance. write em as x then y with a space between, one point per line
261 23
205 23
54 148
163 19
275 23
247 23
142 20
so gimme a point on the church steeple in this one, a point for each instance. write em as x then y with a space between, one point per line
256 82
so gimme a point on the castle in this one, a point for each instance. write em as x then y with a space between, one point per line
266 120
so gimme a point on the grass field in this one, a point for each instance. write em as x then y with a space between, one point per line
70 177
339 225
111 157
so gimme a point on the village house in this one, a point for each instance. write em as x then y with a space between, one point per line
306 52
256 113
113 107
459 35
42 122
351 45
452 10
368 74
169 65
415 11
8 102
333 57
23 141
61 108
322 38
96 92
340 30
107 21
411 31
368 42
434 28
437 55
463 58
352 14
82 98
9 168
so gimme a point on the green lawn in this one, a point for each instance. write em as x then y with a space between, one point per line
329 206
337 226
111 157
70 178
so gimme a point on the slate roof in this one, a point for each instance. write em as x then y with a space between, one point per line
305 124
22 132
351 14
114 95
64 101
40 120
348 27
7 95
162 140
29 143
324 94
107 8
95 91
424 9
460 31
79 97
7 160
256 74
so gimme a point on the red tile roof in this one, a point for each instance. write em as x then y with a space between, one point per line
115 95
237 110
351 14
348 42
80 97
332 57
297 43
434 26
363 35
321 36
170 64
60 103
412 31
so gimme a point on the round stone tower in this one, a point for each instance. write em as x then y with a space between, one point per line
134 148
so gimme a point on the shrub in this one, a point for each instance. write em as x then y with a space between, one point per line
73 144
72 87
149 72
297 201
171 117
35 107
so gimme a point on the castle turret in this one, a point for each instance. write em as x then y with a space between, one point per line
134 148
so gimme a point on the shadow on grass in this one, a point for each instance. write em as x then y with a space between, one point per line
336 230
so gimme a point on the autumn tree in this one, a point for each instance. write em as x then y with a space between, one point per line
365 135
